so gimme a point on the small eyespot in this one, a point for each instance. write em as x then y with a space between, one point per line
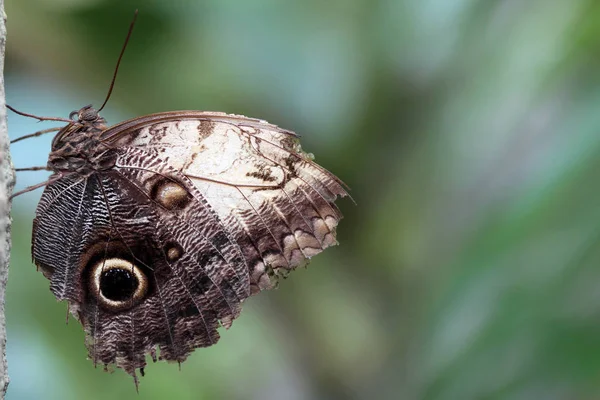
117 284
173 251
171 195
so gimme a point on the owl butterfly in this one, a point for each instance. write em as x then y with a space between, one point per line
156 230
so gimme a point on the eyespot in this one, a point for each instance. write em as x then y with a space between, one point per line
170 194
173 251
117 284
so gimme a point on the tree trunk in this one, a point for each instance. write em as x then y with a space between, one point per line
7 181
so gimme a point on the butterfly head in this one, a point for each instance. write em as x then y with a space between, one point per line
87 115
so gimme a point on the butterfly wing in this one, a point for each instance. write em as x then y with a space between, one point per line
253 174
185 256
199 212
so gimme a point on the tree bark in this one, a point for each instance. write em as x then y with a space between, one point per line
7 182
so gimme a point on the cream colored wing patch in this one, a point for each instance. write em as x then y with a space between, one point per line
259 182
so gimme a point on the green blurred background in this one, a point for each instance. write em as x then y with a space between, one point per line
469 132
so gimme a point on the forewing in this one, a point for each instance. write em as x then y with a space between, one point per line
277 203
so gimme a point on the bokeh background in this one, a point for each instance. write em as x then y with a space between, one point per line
469 132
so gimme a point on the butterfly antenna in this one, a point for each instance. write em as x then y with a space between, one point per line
112 83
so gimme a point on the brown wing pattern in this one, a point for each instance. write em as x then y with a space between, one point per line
254 175
198 212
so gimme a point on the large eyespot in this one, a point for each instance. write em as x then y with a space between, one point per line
117 284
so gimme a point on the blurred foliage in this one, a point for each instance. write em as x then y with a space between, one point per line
469 132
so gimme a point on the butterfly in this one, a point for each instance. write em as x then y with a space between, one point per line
156 230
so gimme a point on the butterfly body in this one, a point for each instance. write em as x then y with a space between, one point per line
77 148
155 230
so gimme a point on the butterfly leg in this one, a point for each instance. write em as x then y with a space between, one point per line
36 134
33 169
